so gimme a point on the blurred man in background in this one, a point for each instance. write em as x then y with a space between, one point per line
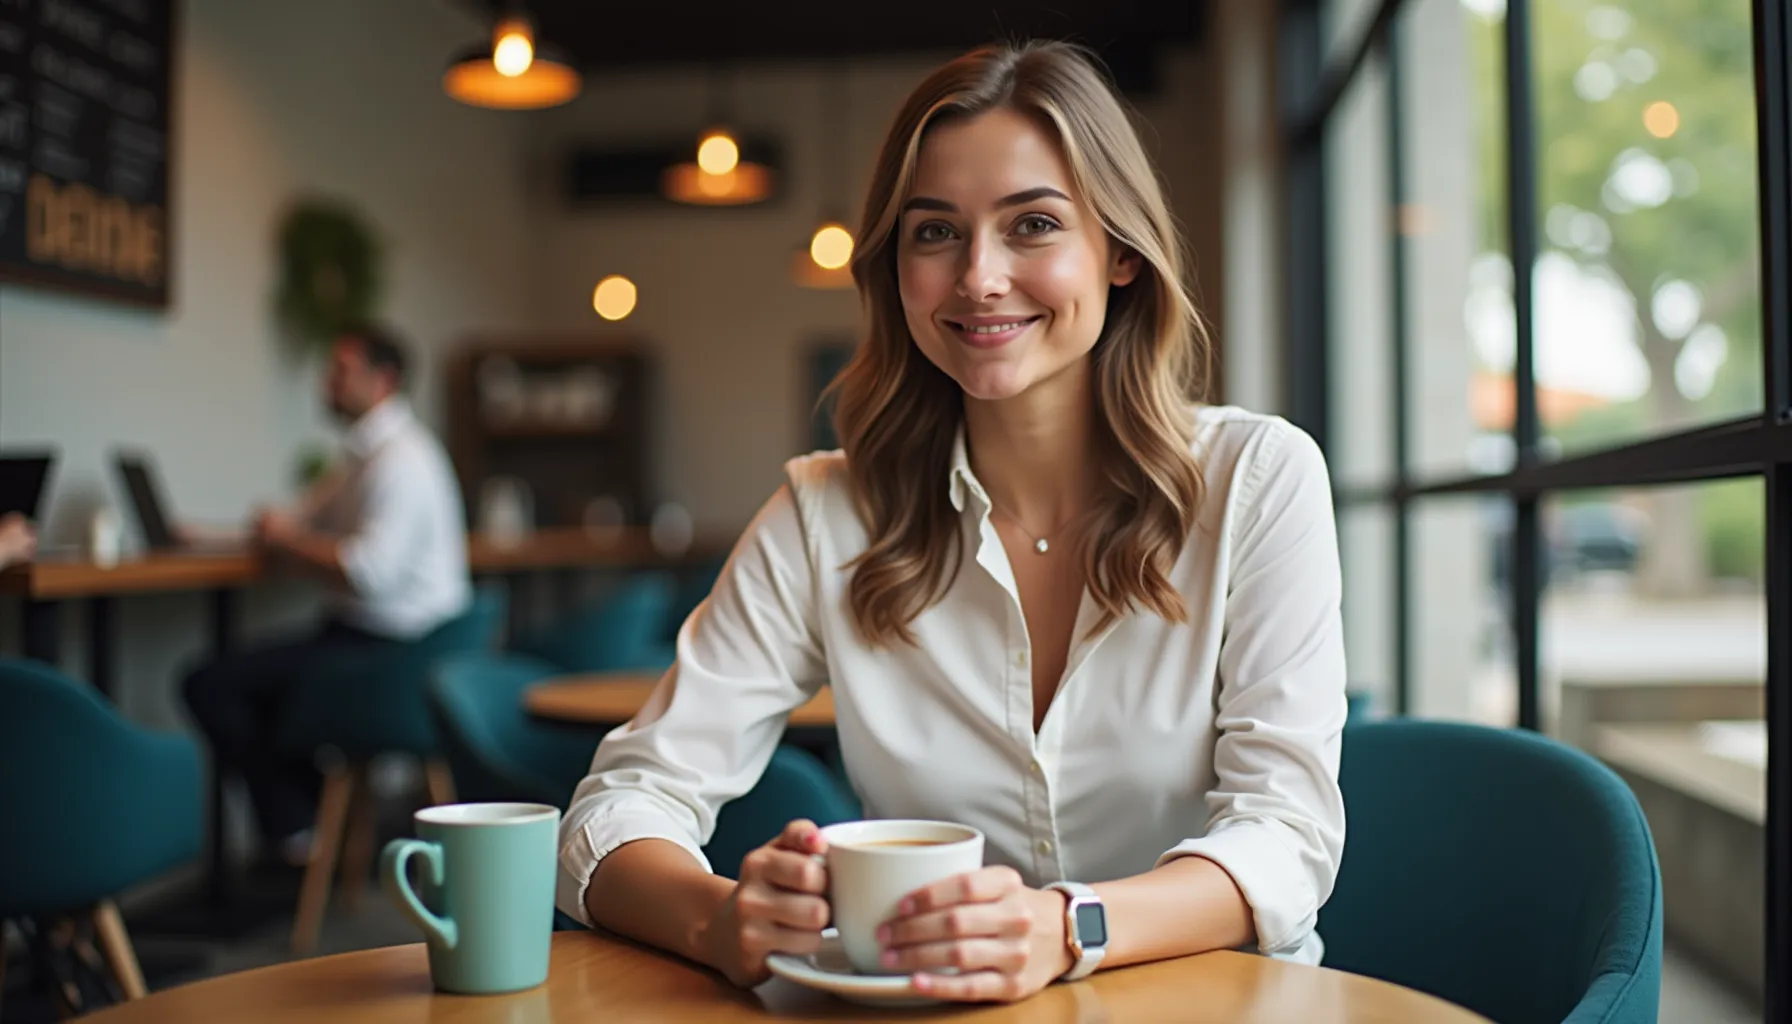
385 534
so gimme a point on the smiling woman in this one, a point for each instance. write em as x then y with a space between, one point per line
1133 687
1022 241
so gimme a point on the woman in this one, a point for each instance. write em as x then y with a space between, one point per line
1056 597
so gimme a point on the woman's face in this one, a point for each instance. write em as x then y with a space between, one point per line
1004 270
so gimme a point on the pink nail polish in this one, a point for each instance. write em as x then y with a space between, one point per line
883 935
889 958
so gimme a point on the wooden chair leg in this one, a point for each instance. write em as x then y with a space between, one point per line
441 781
314 894
115 944
357 848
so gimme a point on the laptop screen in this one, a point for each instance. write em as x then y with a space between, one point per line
22 483
147 500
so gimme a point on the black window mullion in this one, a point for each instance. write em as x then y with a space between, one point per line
1521 213
1773 112
1401 327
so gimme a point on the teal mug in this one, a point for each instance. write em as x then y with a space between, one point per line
489 883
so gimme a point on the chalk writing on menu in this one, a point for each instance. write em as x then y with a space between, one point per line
84 125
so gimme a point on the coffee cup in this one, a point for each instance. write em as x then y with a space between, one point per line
487 909
872 865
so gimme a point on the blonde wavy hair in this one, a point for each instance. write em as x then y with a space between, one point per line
898 415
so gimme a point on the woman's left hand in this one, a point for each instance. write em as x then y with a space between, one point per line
1006 941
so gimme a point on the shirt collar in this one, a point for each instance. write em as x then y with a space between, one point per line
377 426
960 481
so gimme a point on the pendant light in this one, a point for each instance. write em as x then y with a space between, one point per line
825 261
717 174
515 72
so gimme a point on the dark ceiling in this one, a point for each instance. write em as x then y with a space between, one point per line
601 35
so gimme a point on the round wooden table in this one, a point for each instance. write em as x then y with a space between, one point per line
611 698
595 977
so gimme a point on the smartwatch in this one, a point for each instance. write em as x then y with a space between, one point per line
1085 929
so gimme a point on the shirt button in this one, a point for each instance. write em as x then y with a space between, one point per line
1020 660
1045 847
1037 771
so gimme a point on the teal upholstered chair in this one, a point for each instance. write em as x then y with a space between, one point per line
620 630
90 805
795 784
497 751
361 705
1498 869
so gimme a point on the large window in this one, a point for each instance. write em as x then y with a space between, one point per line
1540 276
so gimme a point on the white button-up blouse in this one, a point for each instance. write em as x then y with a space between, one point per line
1216 738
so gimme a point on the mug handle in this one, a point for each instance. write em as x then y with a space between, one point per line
398 887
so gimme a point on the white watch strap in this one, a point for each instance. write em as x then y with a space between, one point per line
1088 957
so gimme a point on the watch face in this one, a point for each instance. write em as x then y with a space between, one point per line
1091 925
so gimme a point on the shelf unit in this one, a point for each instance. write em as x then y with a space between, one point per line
569 417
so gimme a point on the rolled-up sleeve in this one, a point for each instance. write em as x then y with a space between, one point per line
746 658
1276 816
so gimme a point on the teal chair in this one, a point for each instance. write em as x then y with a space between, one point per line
620 630
361 705
1498 869
795 784
495 749
90 805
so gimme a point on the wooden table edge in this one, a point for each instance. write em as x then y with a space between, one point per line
555 699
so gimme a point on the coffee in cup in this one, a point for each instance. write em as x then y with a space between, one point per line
872 865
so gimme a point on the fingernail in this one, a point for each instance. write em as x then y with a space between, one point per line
889 958
883 934
921 982
907 906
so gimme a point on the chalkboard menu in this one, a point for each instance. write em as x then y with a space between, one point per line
84 90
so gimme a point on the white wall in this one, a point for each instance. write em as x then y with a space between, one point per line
271 101
717 306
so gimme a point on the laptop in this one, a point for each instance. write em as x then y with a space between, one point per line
145 495
22 478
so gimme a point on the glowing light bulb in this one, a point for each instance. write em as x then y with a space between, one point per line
831 248
514 49
717 153
614 297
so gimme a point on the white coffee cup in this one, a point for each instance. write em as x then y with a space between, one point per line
872 865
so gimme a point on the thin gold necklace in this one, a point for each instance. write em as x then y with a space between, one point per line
1040 544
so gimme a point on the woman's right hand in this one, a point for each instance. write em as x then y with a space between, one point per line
778 906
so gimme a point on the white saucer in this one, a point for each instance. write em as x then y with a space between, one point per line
828 969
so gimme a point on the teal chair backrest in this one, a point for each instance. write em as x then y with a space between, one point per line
372 702
1498 869
90 804
495 749
620 630
795 784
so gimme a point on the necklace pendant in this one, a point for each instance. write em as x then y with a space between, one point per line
1041 546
